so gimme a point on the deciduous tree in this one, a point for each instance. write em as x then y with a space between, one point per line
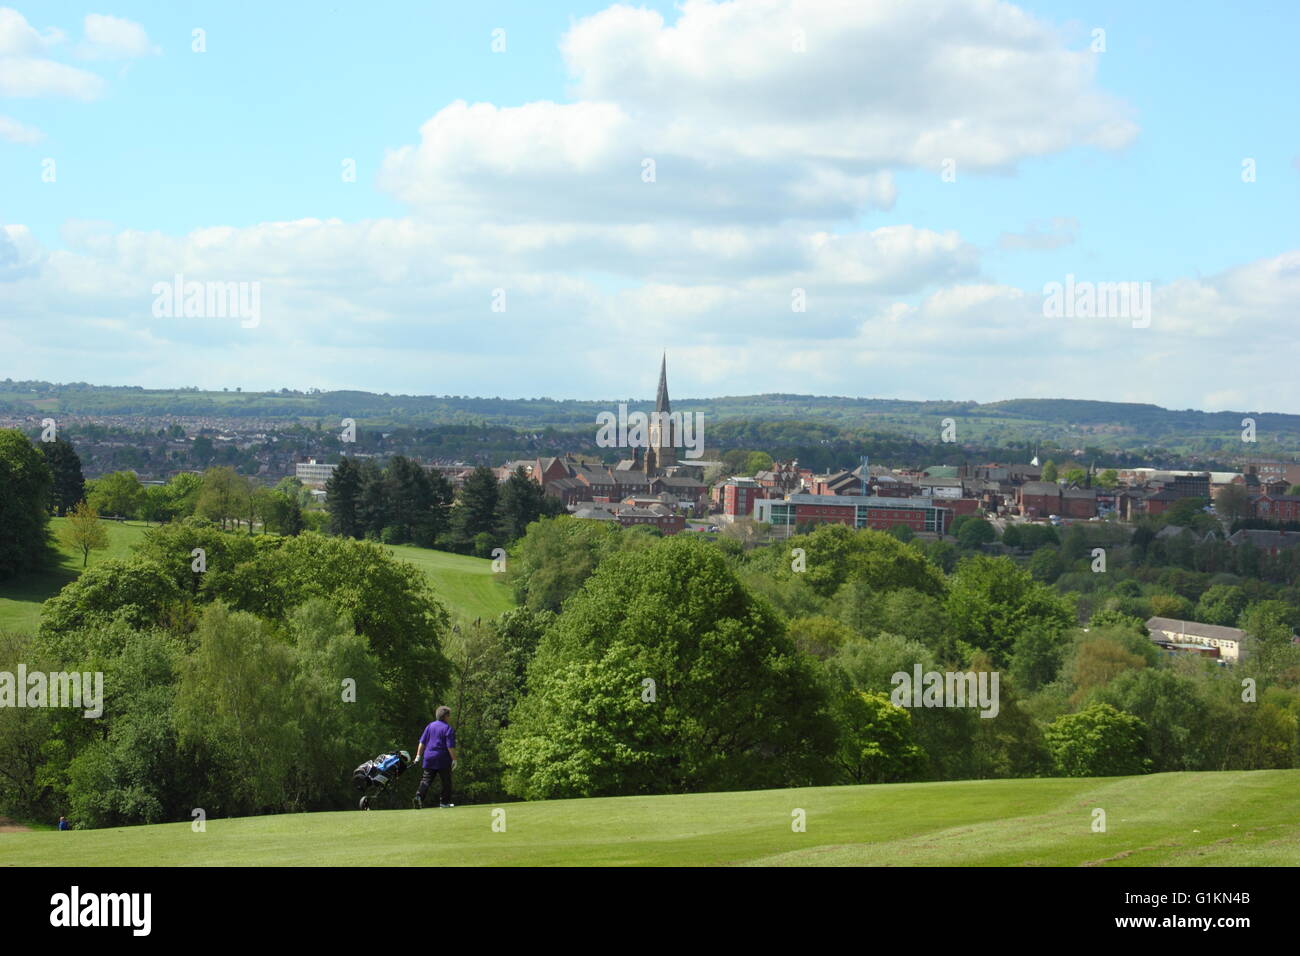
83 531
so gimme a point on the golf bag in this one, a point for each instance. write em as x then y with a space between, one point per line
373 777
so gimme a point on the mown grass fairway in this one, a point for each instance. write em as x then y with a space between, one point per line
21 597
1197 819
466 585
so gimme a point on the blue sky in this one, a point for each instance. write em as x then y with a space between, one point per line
1122 165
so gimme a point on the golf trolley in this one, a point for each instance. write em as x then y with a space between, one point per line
373 777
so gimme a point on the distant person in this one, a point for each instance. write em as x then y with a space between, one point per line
437 749
64 824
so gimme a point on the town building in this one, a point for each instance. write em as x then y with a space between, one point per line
738 497
1276 507
856 511
662 450
649 514
313 473
1224 643
1039 499
1265 471
1271 543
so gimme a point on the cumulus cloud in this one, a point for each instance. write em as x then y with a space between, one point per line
113 38
774 131
592 162
28 70
25 69
20 38
1258 301
19 255
862 84
414 299
26 77
15 132
763 111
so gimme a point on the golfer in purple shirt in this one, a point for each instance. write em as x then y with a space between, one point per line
438 750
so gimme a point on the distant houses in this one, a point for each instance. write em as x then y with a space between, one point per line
1268 542
655 515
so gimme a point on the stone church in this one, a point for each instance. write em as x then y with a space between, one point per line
660 452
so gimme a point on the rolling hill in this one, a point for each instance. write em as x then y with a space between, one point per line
1070 422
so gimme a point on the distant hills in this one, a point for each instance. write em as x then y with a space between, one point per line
1063 423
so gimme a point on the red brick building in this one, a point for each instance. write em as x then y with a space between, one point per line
856 511
1269 471
654 516
838 483
1078 503
1038 499
958 506
738 497
1041 499
683 488
1276 507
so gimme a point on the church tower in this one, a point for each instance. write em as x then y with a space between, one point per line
663 443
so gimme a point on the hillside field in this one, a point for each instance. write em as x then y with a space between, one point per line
21 597
464 584
1184 819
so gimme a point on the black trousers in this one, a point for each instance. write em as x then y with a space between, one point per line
442 772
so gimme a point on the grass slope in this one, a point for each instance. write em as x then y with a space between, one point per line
466 585
1209 819
21 597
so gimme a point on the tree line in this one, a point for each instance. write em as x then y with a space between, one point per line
403 502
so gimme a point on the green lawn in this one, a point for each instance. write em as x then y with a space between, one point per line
21 597
1197 819
466 585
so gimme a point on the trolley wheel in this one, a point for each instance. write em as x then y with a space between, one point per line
365 803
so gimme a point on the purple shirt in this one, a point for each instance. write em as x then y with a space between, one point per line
437 737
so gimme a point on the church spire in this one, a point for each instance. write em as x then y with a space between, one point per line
661 452
661 400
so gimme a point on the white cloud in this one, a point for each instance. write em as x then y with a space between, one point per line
16 132
26 77
766 162
879 84
113 38
743 129
588 162
894 311
20 38
26 72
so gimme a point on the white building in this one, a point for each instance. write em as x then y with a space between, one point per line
312 472
1192 635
